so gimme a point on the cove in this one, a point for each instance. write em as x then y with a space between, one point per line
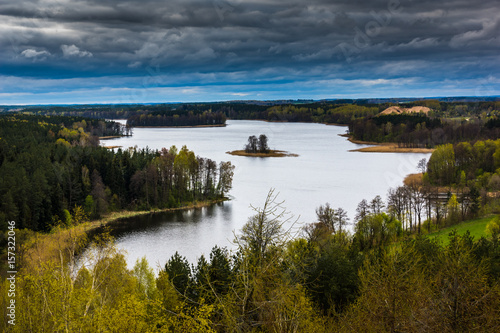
325 170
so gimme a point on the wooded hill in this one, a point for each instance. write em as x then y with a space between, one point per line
174 118
51 165
421 131
325 280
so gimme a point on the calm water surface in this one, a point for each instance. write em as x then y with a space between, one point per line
325 171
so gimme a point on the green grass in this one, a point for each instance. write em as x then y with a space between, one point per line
476 227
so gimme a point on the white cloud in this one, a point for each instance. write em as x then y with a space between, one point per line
194 90
487 33
74 51
135 64
419 43
149 50
201 55
34 54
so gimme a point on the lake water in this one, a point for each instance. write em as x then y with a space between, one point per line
324 171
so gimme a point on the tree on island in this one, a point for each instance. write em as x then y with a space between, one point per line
263 146
257 145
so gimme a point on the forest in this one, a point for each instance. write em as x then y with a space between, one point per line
333 112
459 182
341 112
173 118
445 123
318 113
464 163
52 165
421 131
112 111
324 280
378 273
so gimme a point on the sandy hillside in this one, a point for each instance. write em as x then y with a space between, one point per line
400 110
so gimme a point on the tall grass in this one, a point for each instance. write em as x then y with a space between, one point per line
476 227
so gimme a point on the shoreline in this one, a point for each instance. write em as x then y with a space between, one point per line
384 147
393 149
115 216
293 122
336 124
191 126
109 137
272 153
57 244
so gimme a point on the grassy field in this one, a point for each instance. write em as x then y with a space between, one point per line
476 227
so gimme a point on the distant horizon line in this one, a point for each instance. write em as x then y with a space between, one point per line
491 98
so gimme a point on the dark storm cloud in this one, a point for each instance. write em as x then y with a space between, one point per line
347 39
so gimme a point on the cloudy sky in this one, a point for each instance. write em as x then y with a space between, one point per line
136 51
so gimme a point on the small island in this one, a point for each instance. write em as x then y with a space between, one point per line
259 147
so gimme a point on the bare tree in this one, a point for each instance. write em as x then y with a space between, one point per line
377 205
395 203
362 210
341 218
418 201
326 215
264 230
422 165
408 206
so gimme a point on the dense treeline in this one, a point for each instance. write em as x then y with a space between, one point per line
339 114
445 123
449 108
454 108
442 107
47 170
176 176
481 110
120 111
470 171
76 125
174 118
313 112
335 111
464 164
341 111
323 281
188 115
426 208
420 131
460 181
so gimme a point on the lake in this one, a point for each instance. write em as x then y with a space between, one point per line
324 171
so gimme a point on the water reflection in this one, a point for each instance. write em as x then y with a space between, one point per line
325 171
